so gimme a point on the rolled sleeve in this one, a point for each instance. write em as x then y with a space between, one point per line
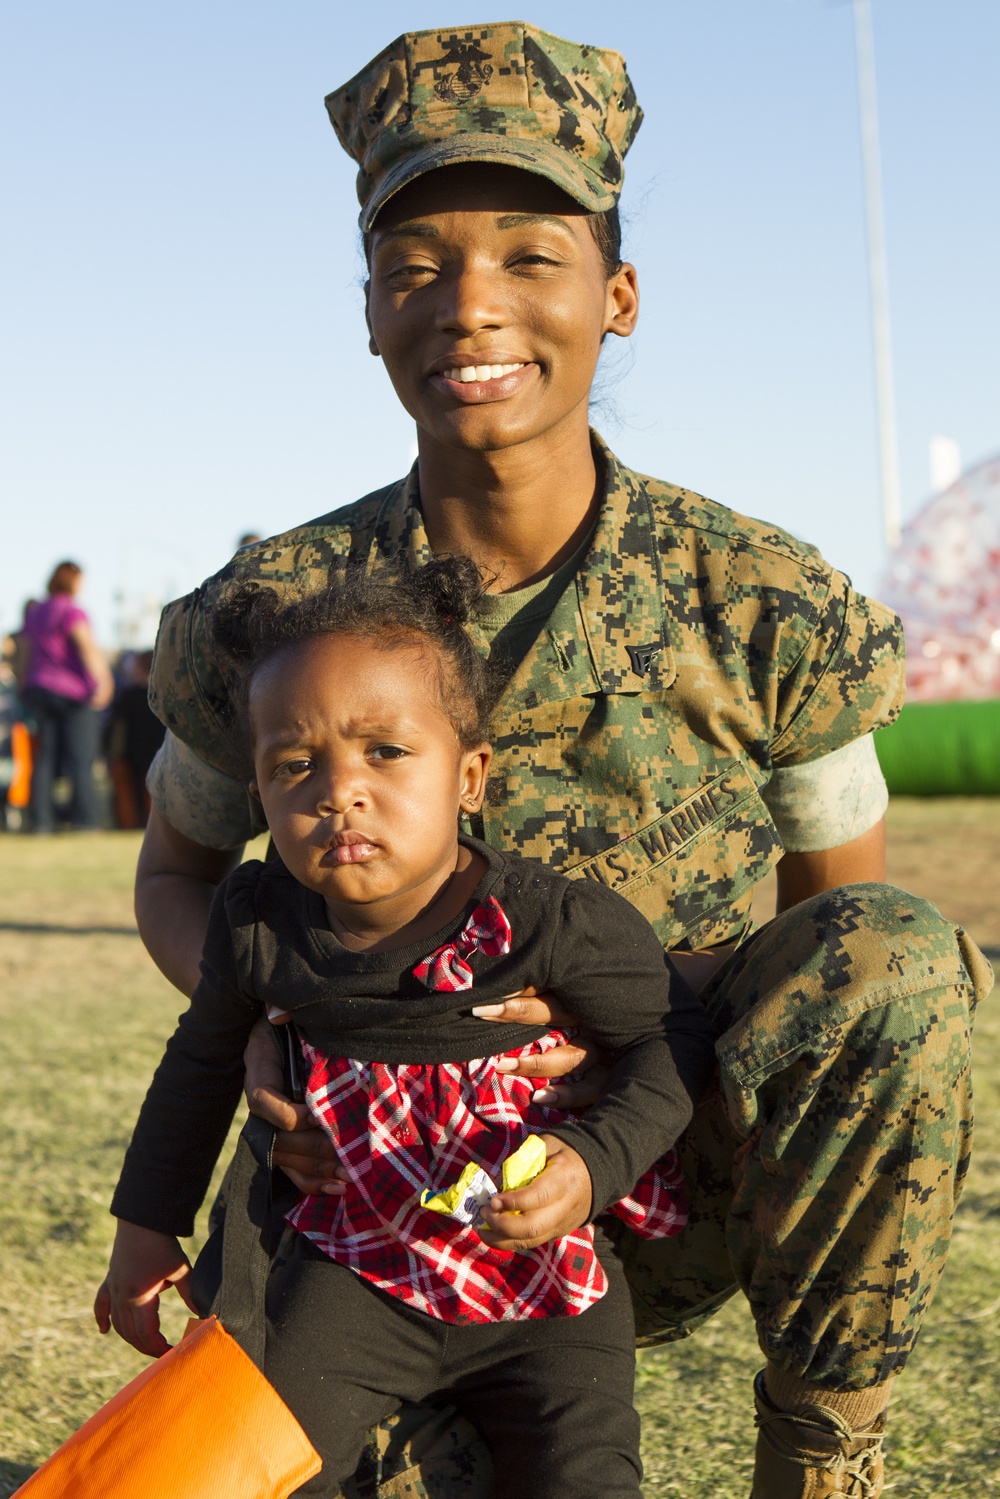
827 802
849 680
205 804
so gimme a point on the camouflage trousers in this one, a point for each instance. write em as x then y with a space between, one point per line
823 1165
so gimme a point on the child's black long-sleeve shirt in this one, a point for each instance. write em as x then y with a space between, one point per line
269 945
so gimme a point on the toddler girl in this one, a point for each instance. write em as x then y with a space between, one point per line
379 929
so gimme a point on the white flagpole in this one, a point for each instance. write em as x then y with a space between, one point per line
864 43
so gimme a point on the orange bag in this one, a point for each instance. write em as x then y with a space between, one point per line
19 790
202 1422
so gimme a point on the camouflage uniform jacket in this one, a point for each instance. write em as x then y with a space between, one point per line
695 650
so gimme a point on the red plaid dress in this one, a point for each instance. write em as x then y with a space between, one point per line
401 1128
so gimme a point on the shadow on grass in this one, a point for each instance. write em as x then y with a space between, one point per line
12 1475
58 929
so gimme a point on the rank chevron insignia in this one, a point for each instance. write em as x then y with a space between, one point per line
641 655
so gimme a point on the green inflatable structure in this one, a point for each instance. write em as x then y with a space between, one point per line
942 749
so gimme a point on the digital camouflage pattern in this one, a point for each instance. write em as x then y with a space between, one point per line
695 650
825 1164
506 93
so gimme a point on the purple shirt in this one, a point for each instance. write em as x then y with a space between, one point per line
55 661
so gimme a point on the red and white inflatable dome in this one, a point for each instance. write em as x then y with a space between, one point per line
944 581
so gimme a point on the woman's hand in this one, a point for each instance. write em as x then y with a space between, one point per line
554 1204
302 1150
144 1264
580 1056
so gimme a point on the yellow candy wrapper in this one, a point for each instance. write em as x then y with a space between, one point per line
527 1162
470 1194
465 1199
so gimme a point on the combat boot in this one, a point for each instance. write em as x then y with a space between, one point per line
811 1453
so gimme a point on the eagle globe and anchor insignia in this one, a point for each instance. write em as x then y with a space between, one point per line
472 71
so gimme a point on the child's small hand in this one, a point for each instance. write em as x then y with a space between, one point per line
144 1263
554 1204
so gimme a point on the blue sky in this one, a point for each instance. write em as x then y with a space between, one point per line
183 352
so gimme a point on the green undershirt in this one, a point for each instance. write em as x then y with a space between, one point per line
513 621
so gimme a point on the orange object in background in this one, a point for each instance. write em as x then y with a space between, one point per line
19 790
202 1422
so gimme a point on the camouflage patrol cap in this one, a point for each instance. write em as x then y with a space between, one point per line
506 93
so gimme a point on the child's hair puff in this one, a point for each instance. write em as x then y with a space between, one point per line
396 606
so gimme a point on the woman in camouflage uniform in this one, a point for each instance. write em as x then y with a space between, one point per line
690 700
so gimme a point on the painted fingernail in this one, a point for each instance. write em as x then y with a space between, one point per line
487 1012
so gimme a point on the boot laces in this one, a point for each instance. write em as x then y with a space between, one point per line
859 1468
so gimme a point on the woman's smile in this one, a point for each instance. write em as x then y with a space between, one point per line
470 384
467 373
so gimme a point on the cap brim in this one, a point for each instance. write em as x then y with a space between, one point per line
538 157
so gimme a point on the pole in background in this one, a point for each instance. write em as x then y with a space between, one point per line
864 45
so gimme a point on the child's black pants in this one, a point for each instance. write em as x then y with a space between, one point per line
551 1397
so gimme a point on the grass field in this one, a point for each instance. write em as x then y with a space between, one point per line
85 1016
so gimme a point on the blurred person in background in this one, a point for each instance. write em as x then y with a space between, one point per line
15 741
133 735
20 641
65 682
